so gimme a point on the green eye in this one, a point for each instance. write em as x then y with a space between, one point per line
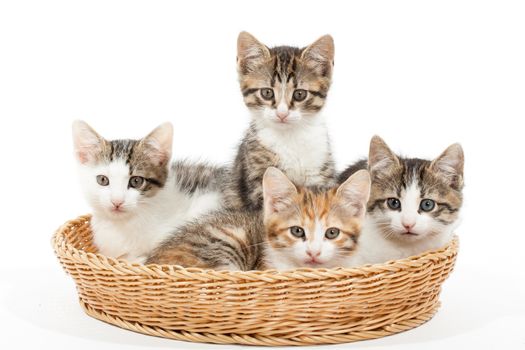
299 95
102 180
427 205
267 93
393 203
297 231
136 181
332 233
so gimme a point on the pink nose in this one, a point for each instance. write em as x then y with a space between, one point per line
282 115
408 226
117 204
313 254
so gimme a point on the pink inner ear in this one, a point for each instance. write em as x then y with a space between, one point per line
82 157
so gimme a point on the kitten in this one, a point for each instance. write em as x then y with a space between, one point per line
137 197
285 89
414 203
298 227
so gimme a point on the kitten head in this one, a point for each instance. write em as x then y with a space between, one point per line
120 176
313 227
414 199
284 85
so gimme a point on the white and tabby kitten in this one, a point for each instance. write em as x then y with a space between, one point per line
285 89
137 196
414 203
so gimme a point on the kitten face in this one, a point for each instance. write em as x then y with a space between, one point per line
414 199
284 85
313 228
119 177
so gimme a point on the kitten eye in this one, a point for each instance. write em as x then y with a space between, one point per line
299 95
427 205
267 93
393 203
136 181
332 233
297 231
102 180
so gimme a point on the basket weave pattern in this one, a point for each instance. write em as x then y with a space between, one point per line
300 307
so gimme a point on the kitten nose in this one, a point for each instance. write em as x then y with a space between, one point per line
408 225
282 115
313 254
117 204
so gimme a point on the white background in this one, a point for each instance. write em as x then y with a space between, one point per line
420 74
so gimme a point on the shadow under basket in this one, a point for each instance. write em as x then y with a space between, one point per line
299 307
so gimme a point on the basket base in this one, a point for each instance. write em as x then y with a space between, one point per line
254 339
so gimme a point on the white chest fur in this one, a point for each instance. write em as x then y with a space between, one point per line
302 150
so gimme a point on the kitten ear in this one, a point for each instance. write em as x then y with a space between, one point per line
88 144
353 194
159 143
380 157
320 55
250 52
278 191
449 165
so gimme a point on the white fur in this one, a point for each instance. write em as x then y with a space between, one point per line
376 247
301 144
144 221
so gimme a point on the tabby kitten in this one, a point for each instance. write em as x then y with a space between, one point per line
137 197
285 89
414 203
299 227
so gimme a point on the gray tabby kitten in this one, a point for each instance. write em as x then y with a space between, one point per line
138 197
285 89
414 203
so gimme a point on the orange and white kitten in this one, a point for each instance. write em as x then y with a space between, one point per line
299 227
313 227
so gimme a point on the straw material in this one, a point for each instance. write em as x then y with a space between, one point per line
300 307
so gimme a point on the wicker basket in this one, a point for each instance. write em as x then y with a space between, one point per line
305 306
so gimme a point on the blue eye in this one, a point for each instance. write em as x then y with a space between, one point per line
427 205
393 203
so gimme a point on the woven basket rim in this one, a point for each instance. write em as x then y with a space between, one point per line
291 307
61 244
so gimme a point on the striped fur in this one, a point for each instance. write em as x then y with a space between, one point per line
244 240
398 233
285 133
226 240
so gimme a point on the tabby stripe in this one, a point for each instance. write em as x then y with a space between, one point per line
375 204
154 182
448 207
128 159
111 151
249 91
241 244
317 93
225 246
